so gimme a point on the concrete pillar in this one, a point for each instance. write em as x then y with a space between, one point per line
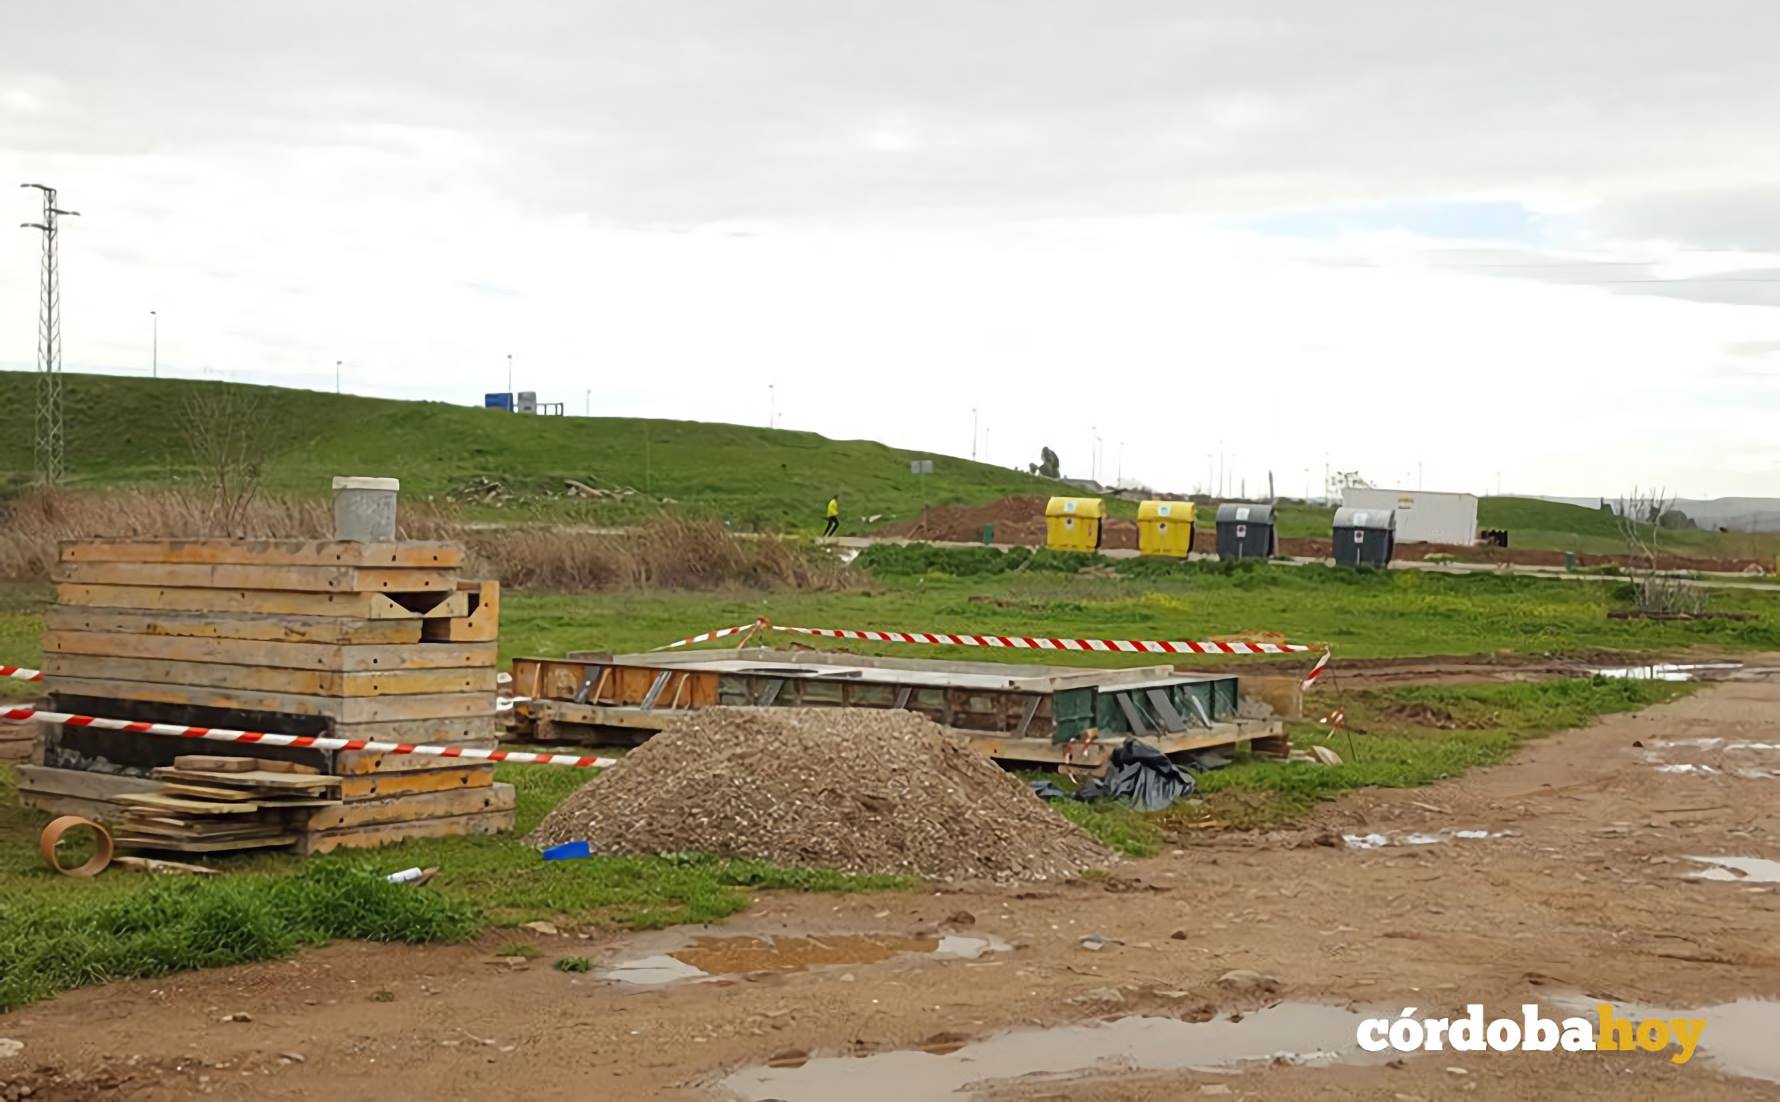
365 508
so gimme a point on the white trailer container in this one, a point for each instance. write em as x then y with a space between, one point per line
1423 516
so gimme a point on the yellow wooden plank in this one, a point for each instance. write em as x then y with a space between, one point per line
297 656
375 785
483 622
407 808
364 606
234 625
383 834
266 552
217 675
304 579
374 709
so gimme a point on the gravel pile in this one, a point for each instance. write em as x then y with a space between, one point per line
860 790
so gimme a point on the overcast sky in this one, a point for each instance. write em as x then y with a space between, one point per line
1533 242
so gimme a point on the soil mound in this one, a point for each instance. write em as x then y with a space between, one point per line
856 789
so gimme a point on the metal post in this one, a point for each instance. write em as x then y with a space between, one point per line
512 403
337 376
973 432
49 343
154 369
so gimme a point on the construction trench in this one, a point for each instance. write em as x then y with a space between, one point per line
1619 863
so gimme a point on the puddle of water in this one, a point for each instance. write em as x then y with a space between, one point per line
1739 1036
1377 841
705 957
653 971
1669 671
1685 767
1745 870
1298 1032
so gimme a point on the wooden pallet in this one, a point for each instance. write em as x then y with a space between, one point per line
381 641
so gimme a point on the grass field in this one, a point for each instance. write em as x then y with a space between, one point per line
125 431
128 431
57 933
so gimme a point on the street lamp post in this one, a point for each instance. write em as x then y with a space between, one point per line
337 376
154 369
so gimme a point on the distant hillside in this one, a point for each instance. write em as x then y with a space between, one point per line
131 431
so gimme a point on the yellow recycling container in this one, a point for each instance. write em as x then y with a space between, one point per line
1165 528
1073 523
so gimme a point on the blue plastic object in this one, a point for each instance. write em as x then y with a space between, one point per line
568 851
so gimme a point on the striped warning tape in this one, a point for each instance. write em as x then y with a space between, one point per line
1316 671
1021 642
20 673
311 742
1025 642
710 635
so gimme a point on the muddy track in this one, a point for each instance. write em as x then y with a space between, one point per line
1577 891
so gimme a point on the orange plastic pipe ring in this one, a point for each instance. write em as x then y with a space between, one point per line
52 834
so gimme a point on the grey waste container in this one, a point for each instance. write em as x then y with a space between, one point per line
1365 537
1245 531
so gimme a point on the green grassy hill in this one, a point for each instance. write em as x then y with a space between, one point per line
124 431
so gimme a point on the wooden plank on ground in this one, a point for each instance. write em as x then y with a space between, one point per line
361 606
375 785
296 656
298 782
233 625
183 806
265 552
79 783
482 624
232 763
185 845
383 834
268 679
398 809
601 715
363 709
103 811
303 579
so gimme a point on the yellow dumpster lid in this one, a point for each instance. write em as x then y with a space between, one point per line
1091 507
1165 510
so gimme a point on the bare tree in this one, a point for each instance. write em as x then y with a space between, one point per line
229 434
1640 523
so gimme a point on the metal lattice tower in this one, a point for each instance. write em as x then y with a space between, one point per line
49 344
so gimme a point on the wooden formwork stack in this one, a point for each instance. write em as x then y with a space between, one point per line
381 641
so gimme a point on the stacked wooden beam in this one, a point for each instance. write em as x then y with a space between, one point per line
378 641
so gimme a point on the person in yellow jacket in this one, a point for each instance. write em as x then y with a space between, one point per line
834 515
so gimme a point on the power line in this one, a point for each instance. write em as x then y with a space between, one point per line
49 343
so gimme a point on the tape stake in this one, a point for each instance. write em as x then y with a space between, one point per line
308 742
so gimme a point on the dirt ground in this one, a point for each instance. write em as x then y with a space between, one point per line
1582 894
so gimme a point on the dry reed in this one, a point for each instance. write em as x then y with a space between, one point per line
668 552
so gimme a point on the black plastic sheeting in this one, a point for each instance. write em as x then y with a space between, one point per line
1137 774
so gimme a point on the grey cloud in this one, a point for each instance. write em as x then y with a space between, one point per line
702 110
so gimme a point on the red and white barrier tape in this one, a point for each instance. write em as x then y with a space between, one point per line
20 673
311 742
710 635
1316 671
1020 642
